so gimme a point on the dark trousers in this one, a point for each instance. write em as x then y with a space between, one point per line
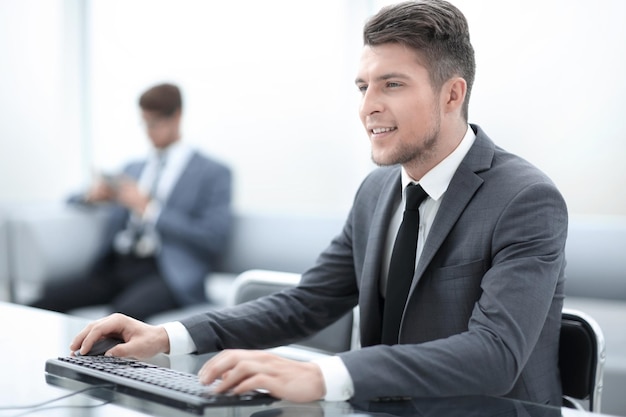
131 285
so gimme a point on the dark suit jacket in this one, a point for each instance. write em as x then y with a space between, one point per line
194 225
484 310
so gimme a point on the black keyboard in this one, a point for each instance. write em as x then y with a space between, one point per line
150 382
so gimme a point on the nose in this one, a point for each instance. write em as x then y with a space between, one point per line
371 103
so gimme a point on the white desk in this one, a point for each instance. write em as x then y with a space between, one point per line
29 337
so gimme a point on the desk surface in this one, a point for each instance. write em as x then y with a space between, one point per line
29 337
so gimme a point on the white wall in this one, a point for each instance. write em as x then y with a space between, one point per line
269 89
550 86
41 148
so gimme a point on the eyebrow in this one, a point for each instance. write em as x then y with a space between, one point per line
385 77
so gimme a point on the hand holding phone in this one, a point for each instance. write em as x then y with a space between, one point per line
104 188
111 181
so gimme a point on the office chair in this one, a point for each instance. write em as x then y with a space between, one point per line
255 283
581 360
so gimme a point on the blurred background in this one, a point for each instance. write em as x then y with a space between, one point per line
269 89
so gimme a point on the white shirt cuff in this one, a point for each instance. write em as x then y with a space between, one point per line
181 342
339 385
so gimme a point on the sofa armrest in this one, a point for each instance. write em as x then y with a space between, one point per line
5 288
596 265
338 337
50 242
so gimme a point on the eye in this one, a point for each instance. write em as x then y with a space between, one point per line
362 88
393 84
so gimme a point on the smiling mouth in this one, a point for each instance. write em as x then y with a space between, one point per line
379 130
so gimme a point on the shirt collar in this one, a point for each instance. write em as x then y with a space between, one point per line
435 182
172 151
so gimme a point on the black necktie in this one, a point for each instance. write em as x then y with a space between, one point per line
402 265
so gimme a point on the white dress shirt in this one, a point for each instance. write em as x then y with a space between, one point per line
176 156
337 379
163 167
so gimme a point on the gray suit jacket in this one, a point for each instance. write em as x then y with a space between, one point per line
484 310
194 225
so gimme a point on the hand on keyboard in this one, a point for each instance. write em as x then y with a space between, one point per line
141 340
244 370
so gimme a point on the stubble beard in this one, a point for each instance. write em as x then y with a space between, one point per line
417 152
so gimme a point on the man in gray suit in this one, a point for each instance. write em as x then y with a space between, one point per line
482 313
168 218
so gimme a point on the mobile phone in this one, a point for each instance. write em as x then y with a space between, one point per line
111 180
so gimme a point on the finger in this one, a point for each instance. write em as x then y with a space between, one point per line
90 338
128 184
245 370
108 326
77 342
234 366
121 351
258 381
216 367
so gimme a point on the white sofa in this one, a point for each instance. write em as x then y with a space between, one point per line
56 242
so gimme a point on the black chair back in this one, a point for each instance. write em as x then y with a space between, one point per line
581 359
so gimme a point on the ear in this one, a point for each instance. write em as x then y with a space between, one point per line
453 94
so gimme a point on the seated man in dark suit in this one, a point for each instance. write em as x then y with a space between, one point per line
453 251
169 217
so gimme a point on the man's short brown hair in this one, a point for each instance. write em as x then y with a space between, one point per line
436 30
164 99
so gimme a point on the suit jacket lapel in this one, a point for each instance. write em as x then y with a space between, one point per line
370 282
462 188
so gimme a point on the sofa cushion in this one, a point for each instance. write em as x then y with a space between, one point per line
278 242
